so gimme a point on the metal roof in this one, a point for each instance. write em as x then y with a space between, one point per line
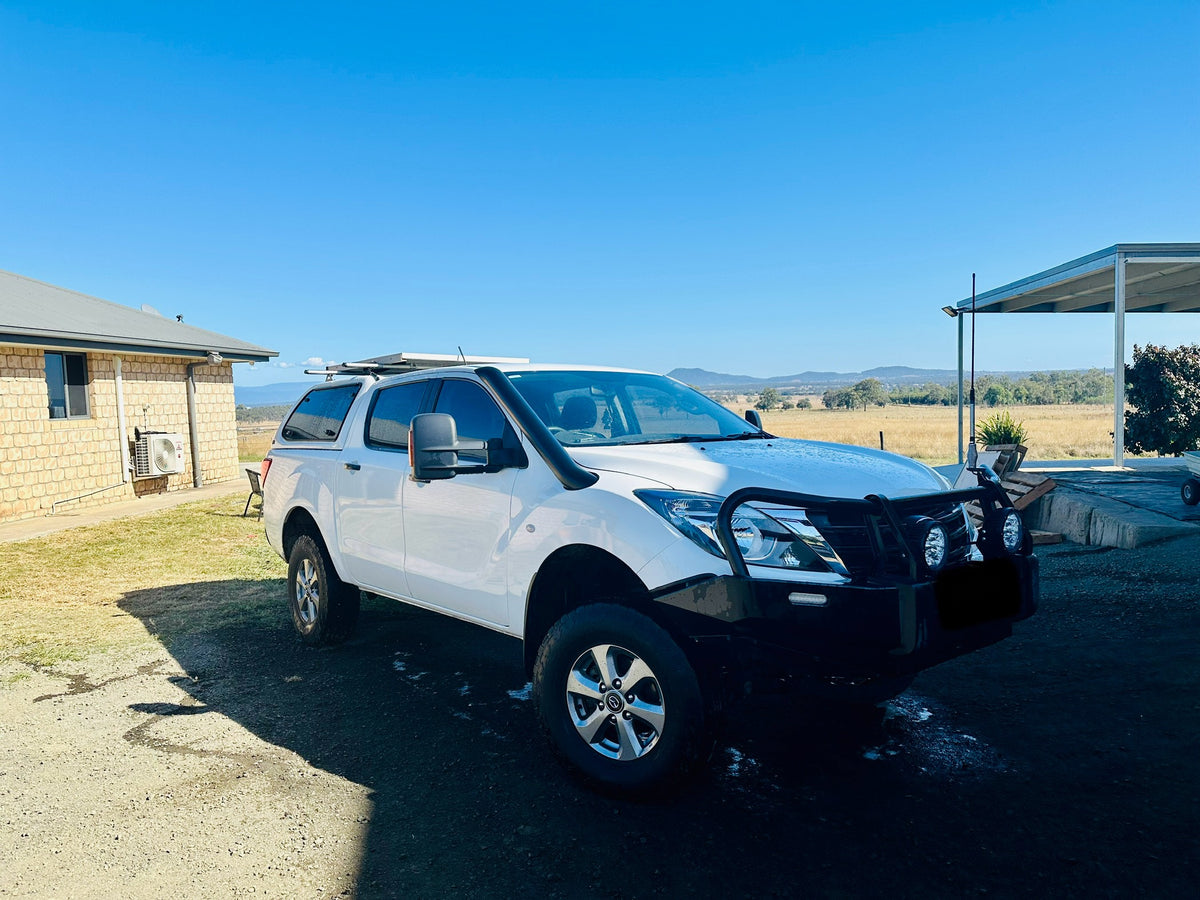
39 314
1158 278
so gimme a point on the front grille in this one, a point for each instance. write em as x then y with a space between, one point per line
849 534
869 546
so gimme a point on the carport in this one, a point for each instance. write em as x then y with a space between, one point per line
1125 278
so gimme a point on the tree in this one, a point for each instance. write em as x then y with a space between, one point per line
840 398
1164 387
998 393
869 391
768 399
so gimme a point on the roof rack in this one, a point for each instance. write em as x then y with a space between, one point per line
395 363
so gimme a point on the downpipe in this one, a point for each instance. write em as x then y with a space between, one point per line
213 359
121 434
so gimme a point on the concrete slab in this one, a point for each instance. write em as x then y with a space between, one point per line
1110 507
1154 489
25 529
1097 503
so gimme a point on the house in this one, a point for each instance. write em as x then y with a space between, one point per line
101 402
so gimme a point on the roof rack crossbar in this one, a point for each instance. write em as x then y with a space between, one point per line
398 362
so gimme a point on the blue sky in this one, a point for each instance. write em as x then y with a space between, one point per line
758 188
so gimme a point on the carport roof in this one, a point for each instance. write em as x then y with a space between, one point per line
33 313
1161 278
1158 278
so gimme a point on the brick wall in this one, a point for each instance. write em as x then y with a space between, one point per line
43 460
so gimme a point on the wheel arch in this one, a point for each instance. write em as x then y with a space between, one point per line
300 522
574 576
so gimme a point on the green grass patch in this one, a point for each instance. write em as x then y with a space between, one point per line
129 582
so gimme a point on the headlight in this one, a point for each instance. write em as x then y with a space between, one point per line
1002 532
762 540
930 539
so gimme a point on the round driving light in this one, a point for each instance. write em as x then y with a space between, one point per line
1012 532
936 546
930 540
1002 533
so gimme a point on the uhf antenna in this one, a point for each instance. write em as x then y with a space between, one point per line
462 355
972 450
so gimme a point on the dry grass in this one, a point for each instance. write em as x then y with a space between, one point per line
195 566
930 433
254 439
927 433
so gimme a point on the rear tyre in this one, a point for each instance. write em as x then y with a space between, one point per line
619 699
1190 492
324 608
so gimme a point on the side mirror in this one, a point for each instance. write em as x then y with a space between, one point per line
433 447
754 418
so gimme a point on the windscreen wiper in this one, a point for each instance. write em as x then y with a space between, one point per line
744 436
680 439
709 438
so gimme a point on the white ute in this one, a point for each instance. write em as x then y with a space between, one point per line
656 553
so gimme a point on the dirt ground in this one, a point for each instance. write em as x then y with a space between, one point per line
1064 762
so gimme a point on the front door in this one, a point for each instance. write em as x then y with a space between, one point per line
457 530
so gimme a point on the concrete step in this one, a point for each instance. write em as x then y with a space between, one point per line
1087 518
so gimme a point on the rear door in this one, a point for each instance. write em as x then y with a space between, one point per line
371 485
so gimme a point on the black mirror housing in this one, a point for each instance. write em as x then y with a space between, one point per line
754 418
434 445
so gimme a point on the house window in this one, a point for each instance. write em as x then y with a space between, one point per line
66 379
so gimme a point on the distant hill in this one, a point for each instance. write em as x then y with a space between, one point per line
282 393
817 382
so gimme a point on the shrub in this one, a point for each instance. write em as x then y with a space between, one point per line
1002 428
1164 386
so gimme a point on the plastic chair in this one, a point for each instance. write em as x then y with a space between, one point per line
255 488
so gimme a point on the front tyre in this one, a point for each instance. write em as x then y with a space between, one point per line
324 608
619 699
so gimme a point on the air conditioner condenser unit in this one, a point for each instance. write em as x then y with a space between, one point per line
157 453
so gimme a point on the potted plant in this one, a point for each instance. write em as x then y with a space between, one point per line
1002 433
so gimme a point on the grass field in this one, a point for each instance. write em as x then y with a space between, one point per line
254 439
62 597
927 433
930 433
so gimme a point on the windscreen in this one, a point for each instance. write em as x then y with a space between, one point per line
601 408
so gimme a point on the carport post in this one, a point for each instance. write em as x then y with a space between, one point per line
955 313
960 318
1119 361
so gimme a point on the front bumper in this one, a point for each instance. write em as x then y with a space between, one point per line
856 631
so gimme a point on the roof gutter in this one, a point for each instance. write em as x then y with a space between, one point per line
42 339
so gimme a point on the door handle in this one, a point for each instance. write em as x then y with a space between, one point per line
352 466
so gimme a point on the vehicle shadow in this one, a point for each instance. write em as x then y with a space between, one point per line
434 717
